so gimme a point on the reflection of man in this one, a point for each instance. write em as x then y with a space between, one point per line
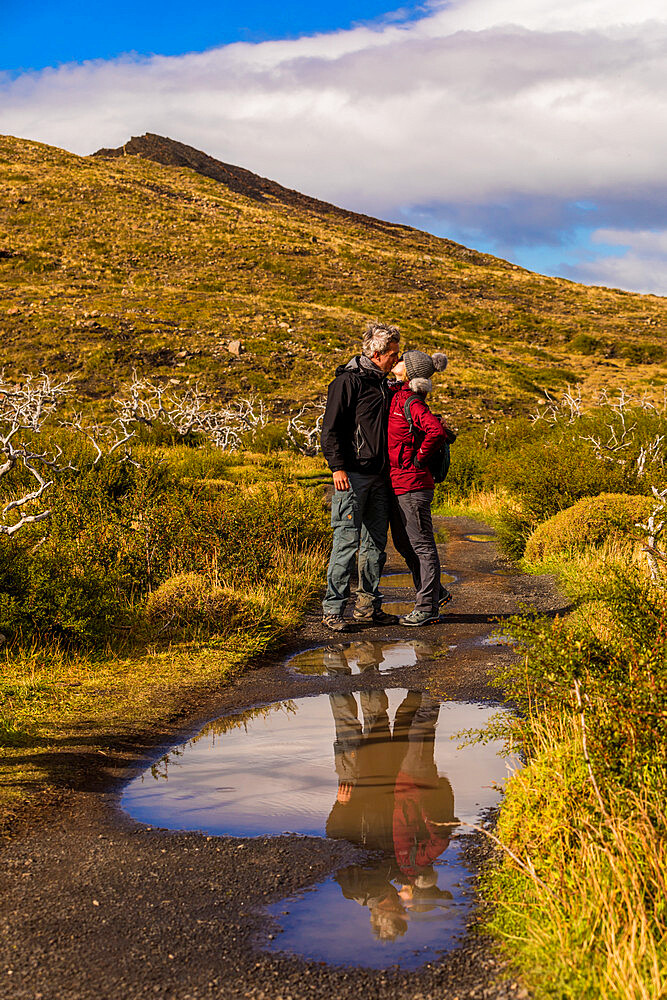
368 656
389 788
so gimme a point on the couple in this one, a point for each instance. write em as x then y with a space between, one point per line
381 477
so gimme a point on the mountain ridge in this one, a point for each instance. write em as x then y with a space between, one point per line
110 264
173 153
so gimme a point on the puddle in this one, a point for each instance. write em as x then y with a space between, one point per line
497 639
342 659
398 607
379 769
405 579
363 916
479 538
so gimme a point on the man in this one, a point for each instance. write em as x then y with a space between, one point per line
354 443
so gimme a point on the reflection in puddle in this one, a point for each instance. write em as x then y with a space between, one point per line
343 659
374 916
479 538
378 769
405 579
497 639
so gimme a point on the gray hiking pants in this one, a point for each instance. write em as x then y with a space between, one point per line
402 544
360 519
415 515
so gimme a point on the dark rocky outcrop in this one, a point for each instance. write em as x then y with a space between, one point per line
177 154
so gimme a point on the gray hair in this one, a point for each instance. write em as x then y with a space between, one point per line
422 385
378 337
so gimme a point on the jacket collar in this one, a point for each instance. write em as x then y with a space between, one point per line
361 365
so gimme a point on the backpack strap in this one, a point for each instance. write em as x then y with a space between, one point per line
406 411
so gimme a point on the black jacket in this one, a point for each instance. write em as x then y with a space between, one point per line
354 429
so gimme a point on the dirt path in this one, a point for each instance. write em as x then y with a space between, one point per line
98 907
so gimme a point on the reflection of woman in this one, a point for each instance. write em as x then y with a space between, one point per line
423 817
390 798
412 442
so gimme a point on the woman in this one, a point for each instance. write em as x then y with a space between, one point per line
410 449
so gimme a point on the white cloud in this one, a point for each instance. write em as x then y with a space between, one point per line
478 102
642 266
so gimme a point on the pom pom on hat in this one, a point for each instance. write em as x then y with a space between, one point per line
439 362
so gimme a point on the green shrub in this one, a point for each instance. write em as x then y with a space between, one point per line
584 343
646 353
116 533
589 523
513 530
549 475
466 473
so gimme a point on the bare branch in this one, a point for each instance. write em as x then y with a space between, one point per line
305 436
23 410
186 412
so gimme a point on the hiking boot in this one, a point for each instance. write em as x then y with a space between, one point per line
420 618
372 617
445 597
336 623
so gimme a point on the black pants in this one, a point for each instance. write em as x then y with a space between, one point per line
404 547
414 526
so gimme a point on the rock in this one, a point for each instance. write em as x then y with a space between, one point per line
235 347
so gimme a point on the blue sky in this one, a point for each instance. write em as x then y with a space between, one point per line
50 32
532 129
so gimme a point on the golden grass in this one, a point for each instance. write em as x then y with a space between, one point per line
118 264
584 914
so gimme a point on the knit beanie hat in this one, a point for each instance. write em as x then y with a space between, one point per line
420 365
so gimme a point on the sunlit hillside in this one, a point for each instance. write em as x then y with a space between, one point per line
116 262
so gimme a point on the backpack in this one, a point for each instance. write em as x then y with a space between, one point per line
438 464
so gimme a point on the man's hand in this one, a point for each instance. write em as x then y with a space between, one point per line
344 792
340 480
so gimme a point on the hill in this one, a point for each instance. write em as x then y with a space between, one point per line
156 256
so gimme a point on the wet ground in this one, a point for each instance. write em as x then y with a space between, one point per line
112 898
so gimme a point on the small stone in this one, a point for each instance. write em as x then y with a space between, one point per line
95 903
235 347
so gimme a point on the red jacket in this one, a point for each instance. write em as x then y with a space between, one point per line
418 840
403 448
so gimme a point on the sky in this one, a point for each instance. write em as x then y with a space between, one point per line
532 129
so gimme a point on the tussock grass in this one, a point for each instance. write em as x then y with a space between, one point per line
585 914
588 524
579 903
